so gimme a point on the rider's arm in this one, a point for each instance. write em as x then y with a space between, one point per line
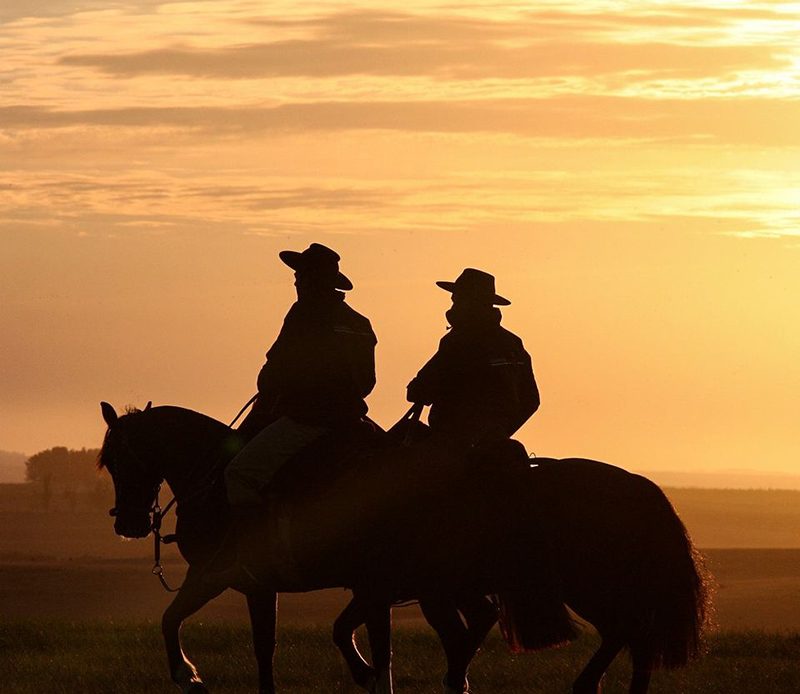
426 387
525 392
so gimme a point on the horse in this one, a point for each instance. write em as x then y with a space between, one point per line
616 552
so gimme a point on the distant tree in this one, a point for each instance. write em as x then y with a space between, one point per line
70 473
47 490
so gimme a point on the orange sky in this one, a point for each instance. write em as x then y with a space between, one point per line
628 170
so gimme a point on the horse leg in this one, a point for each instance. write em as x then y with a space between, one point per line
379 630
480 614
640 680
263 608
352 617
588 681
190 598
444 618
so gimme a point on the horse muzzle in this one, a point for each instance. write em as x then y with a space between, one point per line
131 525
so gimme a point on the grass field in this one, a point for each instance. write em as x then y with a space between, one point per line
103 658
74 599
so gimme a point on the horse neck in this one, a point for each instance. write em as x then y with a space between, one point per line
185 447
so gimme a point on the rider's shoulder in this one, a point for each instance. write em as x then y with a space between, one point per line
508 338
351 319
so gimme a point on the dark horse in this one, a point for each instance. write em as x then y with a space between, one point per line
614 549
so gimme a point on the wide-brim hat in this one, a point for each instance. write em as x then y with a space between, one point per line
476 286
318 260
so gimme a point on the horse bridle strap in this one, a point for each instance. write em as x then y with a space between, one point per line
158 569
158 516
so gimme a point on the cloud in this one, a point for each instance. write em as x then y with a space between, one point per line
745 121
13 10
154 199
531 45
378 25
262 198
467 59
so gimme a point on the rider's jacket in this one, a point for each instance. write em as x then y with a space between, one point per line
321 366
480 384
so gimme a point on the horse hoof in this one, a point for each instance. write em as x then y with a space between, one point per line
368 681
383 684
448 688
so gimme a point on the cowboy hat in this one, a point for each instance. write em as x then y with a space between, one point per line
319 260
474 285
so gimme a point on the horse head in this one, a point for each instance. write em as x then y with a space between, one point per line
136 483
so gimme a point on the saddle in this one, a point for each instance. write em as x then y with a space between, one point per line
314 468
352 504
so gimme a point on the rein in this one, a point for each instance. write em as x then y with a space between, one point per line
159 513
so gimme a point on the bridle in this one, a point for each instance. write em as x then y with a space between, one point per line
157 513
158 540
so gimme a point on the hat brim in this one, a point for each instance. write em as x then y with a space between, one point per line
293 260
497 300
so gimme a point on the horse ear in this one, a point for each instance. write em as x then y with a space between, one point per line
109 413
148 405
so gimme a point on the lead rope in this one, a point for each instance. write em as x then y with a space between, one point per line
158 516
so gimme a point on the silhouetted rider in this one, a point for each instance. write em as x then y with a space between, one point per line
481 388
480 383
314 381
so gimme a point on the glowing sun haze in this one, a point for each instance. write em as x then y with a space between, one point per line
629 171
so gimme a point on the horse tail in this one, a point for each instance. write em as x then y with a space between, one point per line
531 620
670 592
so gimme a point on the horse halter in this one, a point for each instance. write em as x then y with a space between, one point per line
133 495
155 512
153 508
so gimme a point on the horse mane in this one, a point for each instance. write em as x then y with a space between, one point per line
102 456
170 413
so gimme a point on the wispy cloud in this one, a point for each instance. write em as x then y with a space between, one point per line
766 122
451 47
468 61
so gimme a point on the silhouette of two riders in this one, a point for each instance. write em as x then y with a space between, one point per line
479 384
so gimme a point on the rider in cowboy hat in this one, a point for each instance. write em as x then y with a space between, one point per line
316 377
480 382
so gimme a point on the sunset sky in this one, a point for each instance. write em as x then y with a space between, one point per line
629 171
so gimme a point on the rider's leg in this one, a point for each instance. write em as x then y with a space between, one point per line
246 477
248 474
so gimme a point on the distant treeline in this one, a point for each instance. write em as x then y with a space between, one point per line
65 477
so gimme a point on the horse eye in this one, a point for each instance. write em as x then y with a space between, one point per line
113 512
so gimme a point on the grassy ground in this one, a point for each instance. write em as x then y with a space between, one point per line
95 658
